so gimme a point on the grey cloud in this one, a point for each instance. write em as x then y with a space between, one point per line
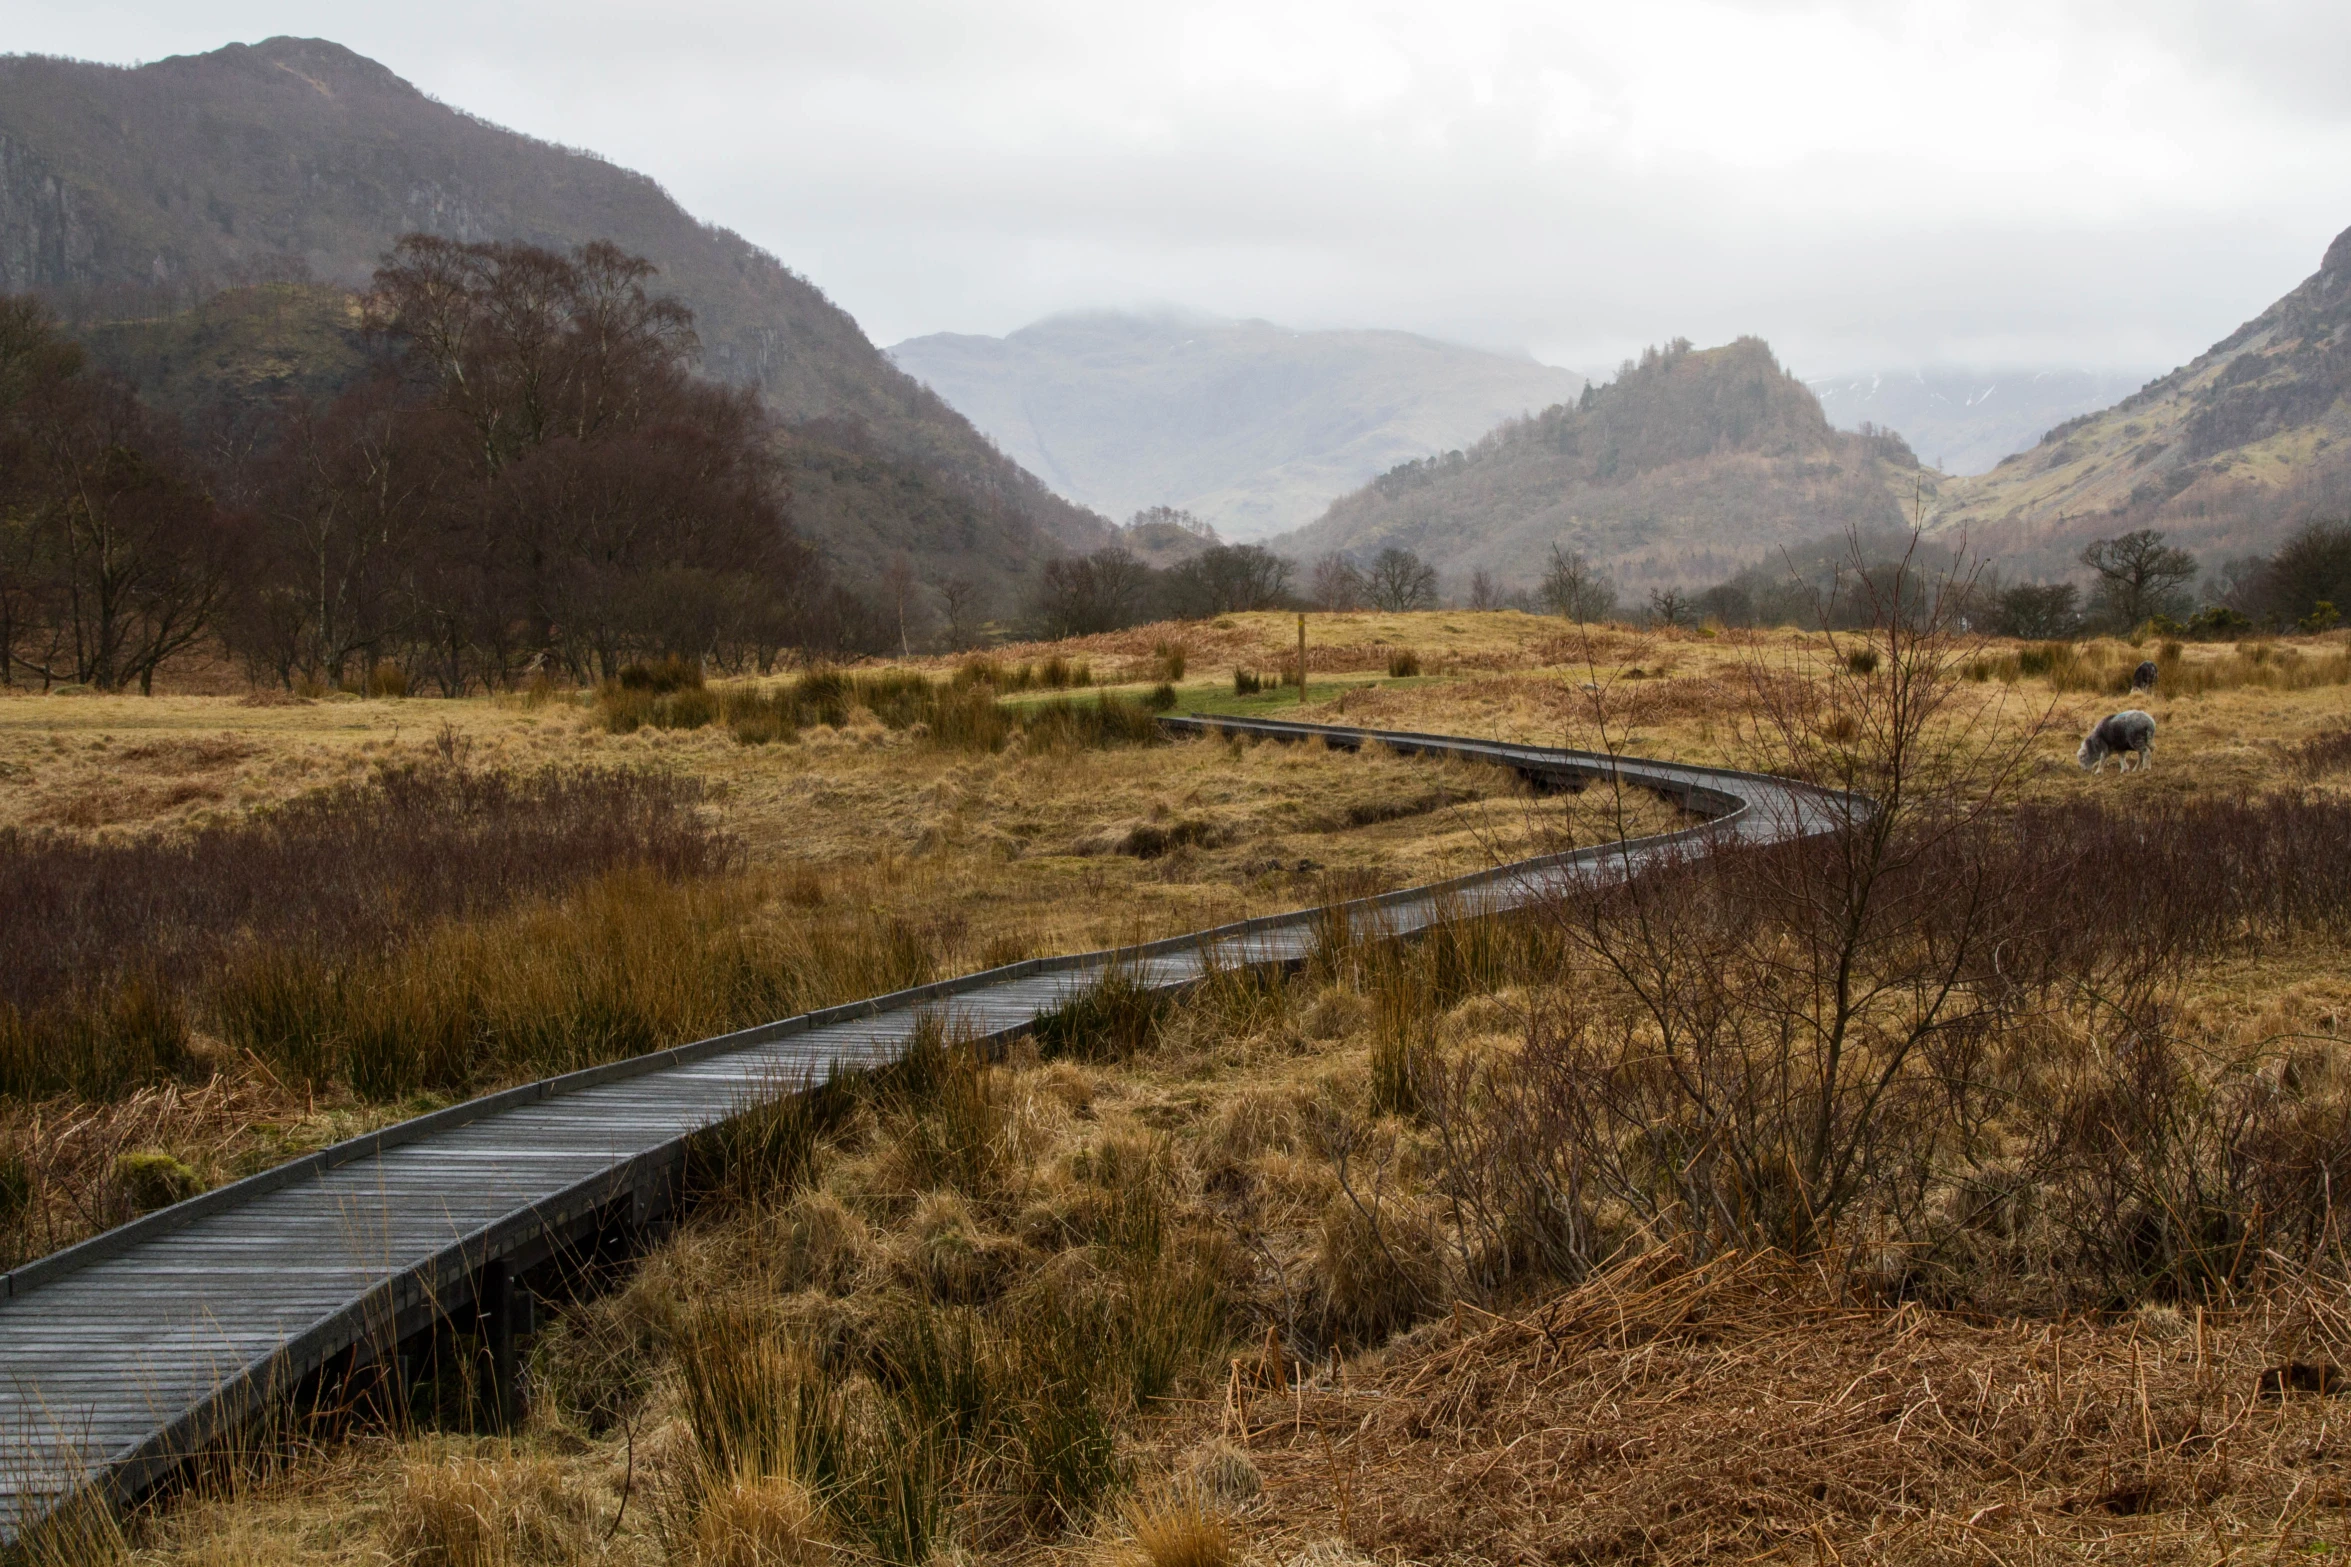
2093 183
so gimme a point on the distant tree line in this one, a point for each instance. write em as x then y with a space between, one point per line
2134 580
1113 588
529 478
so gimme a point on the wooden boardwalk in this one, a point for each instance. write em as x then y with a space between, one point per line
122 1355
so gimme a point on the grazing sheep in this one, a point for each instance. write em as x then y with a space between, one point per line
2143 677
2116 735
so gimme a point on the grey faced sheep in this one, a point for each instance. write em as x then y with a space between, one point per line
2119 735
2143 677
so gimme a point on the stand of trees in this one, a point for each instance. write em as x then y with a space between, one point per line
2135 579
1111 589
530 477
113 553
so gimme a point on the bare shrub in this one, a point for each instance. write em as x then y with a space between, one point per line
1925 1043
1759 1072
2167 1176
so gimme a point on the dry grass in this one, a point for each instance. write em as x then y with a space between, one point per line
876 861
468 1510
1227 1206
1741 1411
1181 1526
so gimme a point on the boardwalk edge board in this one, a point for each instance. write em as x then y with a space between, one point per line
41 1464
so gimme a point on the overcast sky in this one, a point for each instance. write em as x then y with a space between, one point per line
2103 183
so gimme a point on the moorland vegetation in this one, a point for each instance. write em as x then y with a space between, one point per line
1965 1177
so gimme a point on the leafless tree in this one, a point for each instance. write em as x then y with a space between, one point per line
1336 584
1077 596
959 603
2140 576
898 584
1671 607
113 556
1399 580
1574 589
1226 578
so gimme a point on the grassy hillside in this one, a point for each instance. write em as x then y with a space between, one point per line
298 157
1685 467
1251 426
2224 454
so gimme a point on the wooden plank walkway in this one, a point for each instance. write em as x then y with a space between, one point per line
122 1355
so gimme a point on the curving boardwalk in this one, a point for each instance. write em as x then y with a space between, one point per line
122 1355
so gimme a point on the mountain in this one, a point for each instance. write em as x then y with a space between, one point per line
131 194
1964 421
1687 466
1249 426
2224 454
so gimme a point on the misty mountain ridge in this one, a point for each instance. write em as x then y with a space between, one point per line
1963 420
1251 426
1687 466
2225 454
297 158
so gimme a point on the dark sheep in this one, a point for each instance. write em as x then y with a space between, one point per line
2119 735
2143 677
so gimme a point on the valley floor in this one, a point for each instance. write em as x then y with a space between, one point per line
1291 1353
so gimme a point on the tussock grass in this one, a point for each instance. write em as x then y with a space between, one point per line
1178 1527
631 964
2105 667
1111 1020
468 1510
964 713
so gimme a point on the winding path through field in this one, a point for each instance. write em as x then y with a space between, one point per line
122 1355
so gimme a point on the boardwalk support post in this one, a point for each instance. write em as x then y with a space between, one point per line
495 1302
